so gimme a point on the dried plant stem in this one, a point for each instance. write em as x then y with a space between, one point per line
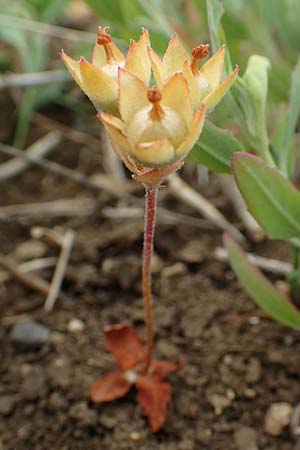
33 79
150 213
187 194
67 242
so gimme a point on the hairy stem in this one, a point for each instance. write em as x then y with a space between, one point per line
150 212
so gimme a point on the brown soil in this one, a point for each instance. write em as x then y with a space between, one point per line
235 367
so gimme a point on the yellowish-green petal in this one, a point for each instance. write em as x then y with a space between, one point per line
99 56
132 94
118 55
193 135
155 153
157 67
215 96
115 128
175 56
137 60
99 87
72 66
176 95
213 68
193 85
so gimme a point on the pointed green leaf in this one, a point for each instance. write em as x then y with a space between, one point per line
260 288
215 148
272 199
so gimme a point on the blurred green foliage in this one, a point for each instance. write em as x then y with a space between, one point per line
33 55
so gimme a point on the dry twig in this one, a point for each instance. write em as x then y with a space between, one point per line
66 242
165 216
112 163
269 265
38 149
187 194
46 28
33 79
11 320
49 166
57 208
30 266
28 279
233 194
74 135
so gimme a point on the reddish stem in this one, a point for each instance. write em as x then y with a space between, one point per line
150 212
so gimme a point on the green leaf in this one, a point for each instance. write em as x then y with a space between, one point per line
215 12
272 199
291 121
260 288
215 148
256 82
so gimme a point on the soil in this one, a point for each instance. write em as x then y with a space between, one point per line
236 364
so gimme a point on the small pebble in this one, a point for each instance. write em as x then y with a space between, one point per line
288 340
75 326
108 420
250 393
29 335
193 252
60 372
35 384
57 402
246 438
83 415
228 359
230 394
253 372
25 370
134 436
219 402
174 270
277 418
57 338
254 320
7 404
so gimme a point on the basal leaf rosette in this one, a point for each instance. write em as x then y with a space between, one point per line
205 83
156 128
99 78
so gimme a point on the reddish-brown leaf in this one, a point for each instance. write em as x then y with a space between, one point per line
111 386
160 369
125 344
153 396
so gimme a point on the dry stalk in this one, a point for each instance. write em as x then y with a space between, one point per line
57 208
186 193
33 79
30 266
38 149
233 194
269 265
66 241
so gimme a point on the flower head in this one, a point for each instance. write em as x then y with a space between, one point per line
205 83
157 127
152 129
99 78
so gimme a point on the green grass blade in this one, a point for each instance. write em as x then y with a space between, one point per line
259 287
